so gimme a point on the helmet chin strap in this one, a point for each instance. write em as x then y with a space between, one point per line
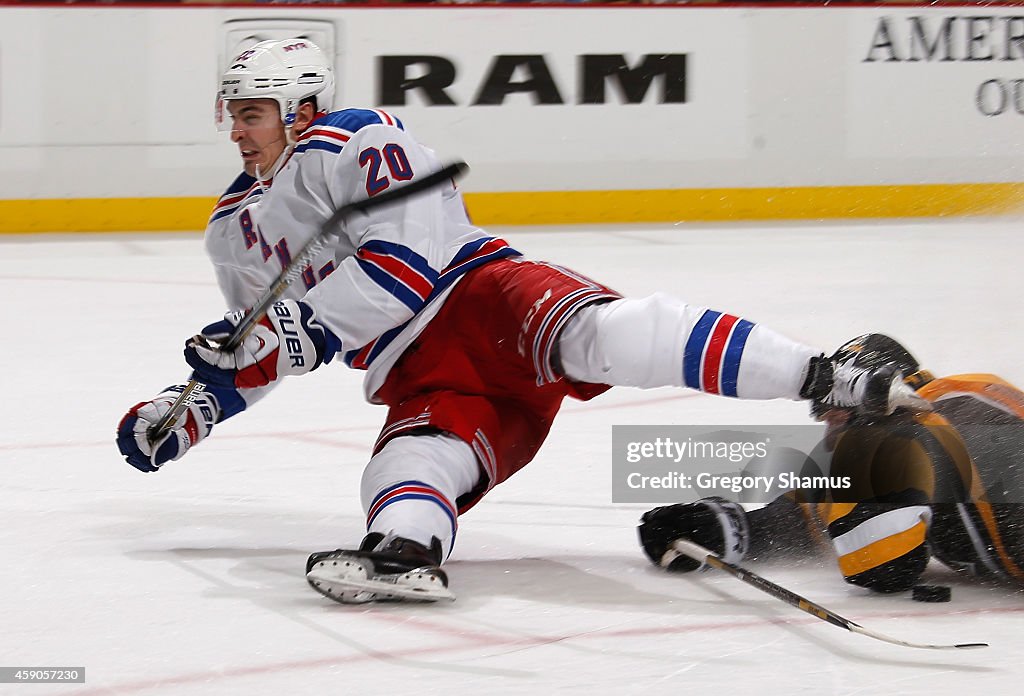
290 141
289 144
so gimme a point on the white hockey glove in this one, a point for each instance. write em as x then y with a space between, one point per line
190 429
287 341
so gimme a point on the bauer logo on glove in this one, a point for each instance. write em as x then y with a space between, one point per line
287 341
188 430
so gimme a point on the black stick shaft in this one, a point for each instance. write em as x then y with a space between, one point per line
682 547
779 592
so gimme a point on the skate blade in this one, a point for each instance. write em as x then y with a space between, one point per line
348 586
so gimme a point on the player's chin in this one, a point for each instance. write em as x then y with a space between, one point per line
250 161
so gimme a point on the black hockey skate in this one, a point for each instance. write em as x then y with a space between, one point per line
381 569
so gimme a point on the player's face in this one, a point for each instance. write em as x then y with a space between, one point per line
257 129
837 417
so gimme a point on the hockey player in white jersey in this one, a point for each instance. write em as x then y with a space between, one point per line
471 346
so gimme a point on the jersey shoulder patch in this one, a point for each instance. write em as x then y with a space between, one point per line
235 194
332 131
243 182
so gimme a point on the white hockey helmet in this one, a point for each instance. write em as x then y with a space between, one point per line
288 70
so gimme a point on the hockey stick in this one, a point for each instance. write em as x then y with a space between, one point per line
683 547
292 271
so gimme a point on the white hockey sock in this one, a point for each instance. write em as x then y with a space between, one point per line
661 341
409 488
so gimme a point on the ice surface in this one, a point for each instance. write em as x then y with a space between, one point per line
189 581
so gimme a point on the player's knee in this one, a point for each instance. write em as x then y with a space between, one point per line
625 342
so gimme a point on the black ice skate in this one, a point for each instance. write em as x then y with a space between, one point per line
381 569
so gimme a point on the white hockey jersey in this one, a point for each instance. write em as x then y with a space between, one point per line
386 274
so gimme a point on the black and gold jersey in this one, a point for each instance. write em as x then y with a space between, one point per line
947 483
